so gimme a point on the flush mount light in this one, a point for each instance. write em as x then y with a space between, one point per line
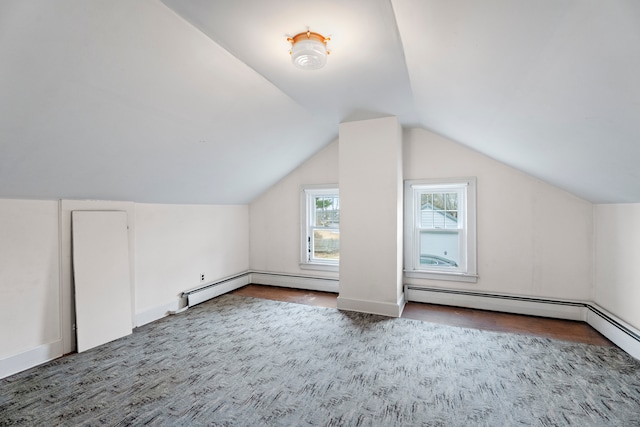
308 50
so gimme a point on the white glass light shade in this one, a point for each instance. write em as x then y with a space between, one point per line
309 50
309 54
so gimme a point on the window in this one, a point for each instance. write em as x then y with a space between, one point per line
440 236
320 246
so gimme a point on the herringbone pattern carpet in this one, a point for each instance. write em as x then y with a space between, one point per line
250 362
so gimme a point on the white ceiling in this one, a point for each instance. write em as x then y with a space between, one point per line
196 101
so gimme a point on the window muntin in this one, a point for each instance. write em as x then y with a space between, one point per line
321 234
440 228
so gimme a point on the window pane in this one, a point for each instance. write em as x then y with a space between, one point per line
439 248
438 219
326 244
451 202
438 201
426 199
327 211
426 211
439 210
451 212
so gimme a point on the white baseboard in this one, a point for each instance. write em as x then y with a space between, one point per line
613 328
155 313
619 332
292 281
220 287
193 297
372 307
616 330
558 309
30 358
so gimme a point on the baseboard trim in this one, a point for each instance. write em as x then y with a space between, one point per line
219 287
155 313
616 330
372 307
558 309
30 358
323 284
193 297
613 328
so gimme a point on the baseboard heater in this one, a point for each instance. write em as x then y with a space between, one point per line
558 309
212 290
615 329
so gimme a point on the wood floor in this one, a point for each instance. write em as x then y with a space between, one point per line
465 317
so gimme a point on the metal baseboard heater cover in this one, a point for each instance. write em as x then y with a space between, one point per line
212 290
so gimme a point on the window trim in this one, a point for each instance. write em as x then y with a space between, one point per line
307 193
468 247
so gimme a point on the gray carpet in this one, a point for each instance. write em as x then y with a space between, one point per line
249 362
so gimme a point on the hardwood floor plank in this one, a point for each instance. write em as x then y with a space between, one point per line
567 330
300 296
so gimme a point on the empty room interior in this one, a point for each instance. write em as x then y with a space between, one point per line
157 156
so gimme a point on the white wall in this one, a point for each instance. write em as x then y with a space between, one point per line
176 243
275 216
617 276
533 239
173 245
29 275
371 216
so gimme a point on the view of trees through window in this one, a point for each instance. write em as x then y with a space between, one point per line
326 233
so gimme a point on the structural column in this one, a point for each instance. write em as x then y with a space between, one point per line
371 217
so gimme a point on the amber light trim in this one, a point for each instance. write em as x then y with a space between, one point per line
309 36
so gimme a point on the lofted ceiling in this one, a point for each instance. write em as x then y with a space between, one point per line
196 101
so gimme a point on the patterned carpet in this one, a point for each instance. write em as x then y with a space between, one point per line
239 361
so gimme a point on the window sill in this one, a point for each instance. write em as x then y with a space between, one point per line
437 275
322 267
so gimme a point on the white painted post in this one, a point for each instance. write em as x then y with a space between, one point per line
371 217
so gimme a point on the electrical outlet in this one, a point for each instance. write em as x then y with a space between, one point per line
201 277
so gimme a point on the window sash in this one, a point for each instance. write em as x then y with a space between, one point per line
313 224
416 226
419 226
329 246
461 251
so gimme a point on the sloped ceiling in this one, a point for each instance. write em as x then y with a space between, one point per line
196 101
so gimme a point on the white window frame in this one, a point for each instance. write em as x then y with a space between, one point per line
466 271
307 210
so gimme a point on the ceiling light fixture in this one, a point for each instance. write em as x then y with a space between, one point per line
309 50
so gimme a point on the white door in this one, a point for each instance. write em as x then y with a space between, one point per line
101 276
